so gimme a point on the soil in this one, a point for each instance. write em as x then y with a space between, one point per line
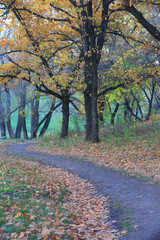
134 203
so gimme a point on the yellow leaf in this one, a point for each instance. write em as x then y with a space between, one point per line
123 232
81 225
18 215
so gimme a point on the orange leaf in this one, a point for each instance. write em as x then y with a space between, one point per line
18 215
21 235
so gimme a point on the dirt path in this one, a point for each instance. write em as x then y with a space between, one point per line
133 198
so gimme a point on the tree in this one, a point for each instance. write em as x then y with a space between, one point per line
46 68
89 23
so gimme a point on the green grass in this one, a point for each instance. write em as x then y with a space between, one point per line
147 132
29 201
119 135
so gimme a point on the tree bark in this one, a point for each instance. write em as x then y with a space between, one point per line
25 134
101 104
95 129
45 126
48 119
129 109
65 116
2 120
8 111
138 15
113 114
150 100
88 113
19 126
21 115
34 116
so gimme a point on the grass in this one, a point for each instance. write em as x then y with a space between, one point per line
132 149
31 203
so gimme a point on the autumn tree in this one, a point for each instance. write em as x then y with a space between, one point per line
88 23
41 58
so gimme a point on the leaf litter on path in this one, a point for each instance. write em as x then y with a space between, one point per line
139 159
38 202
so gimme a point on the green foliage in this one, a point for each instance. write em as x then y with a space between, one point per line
77 123
122 133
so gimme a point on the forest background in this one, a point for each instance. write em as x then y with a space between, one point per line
97 62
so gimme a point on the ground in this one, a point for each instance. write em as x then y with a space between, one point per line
40 202
137 200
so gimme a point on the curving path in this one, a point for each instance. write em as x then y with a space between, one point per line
138 199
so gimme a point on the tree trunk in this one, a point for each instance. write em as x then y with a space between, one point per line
95 130
48 119
8 121
88 113
25 134
2 120
53 108
130 110
101 104
45 126
21 115
114 114
65 116
127 112
34 116
150 100
88 99
19 126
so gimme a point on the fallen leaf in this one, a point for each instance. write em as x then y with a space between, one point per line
18 215
45 232
21 235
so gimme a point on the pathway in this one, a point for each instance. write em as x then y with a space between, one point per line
140 200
